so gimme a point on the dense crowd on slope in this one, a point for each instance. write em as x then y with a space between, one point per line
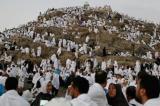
93 82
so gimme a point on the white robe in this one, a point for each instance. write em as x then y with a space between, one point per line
59 102
155 67
76 54
152 102
53 41
83 100
21 79
55 81
149 55
56 64
90 29
37 38
53 57
109 62
72 45
3 80
85 48
95 63
27 50
97 94
137 67
156 54
95 30
73 66
68 63
35 78
48 76
48 43
12 98
39 50
64 42
22 50
1 42
33 53
103 65
13 72
60 43
87 65
115 64
27 95
68 47
87 39
133 101
90 80
59 51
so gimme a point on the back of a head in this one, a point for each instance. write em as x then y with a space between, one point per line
11 83
59 102
131 92
1 73
151 85
100 77
41 74
81 83
141 74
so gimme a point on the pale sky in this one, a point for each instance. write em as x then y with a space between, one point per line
16 12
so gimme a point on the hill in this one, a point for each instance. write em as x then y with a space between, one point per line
125 38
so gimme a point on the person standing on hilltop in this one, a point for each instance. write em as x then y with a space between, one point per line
104 51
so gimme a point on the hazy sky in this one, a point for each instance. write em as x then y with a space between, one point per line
16 12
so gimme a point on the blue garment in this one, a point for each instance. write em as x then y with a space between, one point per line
2 89
57 71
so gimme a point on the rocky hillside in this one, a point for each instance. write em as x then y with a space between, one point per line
125 38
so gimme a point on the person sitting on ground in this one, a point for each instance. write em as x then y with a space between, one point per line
46 93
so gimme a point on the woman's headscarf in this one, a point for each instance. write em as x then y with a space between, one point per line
119 99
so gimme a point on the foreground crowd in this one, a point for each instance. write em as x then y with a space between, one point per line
104 87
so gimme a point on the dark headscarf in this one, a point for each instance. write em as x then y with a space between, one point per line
119 99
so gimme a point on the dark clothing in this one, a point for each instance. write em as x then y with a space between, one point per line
104 51
78 64
119 99
42 96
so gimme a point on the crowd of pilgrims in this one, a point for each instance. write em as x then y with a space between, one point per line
92 83
74 16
